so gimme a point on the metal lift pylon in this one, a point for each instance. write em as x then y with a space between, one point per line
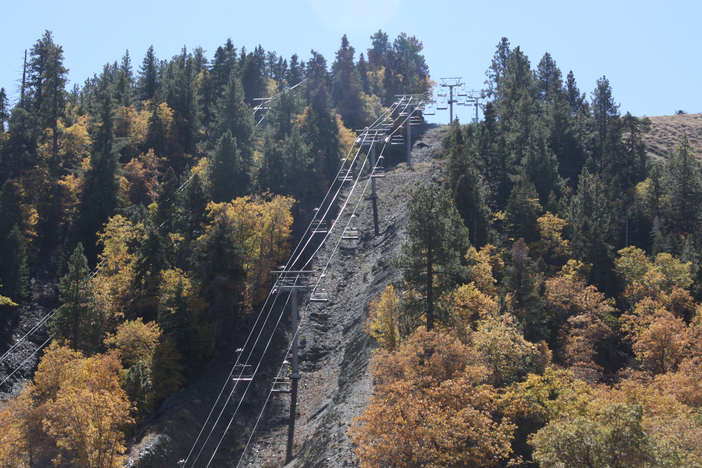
292 282
372 137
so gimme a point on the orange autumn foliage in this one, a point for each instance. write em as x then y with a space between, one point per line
431 408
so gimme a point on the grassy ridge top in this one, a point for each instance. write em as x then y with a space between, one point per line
668 130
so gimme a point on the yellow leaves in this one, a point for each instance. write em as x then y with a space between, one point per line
431 408
425 359
14 436
175 279
504 351
75 404
469 304
382 319
347 137
135 340
551 243
119 239
112 286
484 266
141 180
89 412
651 279
132 124
74 142
6 301
200 169
660 346
262 226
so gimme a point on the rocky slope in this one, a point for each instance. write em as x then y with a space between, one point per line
334 354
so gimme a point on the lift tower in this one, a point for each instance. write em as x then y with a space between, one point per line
369 137
451 83
292 282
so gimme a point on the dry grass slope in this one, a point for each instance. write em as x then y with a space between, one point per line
667 131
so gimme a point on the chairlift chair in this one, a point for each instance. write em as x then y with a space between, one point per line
281 385
378 172
319 226
319 296
346 177
442 101
242 372
397 139
351 232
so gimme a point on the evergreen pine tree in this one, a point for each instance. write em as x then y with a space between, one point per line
78 321
148 76
99 197
4 110
234 116
527 288
167 201
227 172
347 87
14 269
177 321
437 241
605 113
683 182
194 205
148 275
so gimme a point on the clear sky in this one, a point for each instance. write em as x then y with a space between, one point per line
649 50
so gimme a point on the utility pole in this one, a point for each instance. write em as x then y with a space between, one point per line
292 282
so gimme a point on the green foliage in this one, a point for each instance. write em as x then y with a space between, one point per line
14 272
613 437
99 197
504 351
228 174
78 322
437 241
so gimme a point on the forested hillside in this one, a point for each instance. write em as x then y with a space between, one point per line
547 311
156 201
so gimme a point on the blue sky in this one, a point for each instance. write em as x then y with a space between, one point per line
649 50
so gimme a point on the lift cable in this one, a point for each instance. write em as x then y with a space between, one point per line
302 319
288 265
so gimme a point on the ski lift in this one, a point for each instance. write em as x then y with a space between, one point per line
429 108
351 231
416 119
281 385
347 177
378 172
319 296
442 101
396 138
319 226
242 372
